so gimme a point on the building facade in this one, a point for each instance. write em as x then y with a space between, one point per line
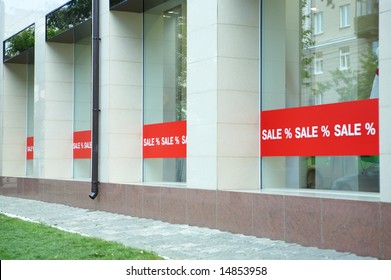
260 117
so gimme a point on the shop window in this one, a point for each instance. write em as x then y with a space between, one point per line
319 131
72 24
82 105
19 49
30 120
165 98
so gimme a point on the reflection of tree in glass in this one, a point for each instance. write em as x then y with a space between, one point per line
353 85
369 64
19 43
68 16
349 84
307 42
181 82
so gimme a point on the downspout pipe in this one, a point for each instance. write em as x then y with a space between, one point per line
95 100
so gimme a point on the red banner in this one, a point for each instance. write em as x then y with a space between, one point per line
165 140
338 129
30 148
82 145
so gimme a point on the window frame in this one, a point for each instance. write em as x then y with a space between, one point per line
318 61
318 23
344 58
344 16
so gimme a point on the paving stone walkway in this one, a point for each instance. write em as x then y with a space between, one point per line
178 242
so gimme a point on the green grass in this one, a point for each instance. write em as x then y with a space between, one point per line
23 240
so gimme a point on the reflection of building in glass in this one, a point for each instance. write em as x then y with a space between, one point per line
343 53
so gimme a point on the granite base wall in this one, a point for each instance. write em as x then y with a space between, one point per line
360 227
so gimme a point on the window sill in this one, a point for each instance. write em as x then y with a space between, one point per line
357 196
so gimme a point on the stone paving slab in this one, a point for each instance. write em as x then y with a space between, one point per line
171 241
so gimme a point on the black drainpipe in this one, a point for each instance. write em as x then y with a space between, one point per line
95 100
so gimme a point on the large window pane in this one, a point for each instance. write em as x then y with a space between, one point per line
30 115
82 96
308 61
165 81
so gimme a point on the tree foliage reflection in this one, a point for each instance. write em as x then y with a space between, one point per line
68 16
19 43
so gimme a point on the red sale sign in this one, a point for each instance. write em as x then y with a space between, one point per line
165 140
82 145
30 148
338 129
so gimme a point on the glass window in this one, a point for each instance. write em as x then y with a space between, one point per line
19 50
61 22
30 117
344 61
82 102
20 47
319 131
165 101
344 16
367 7
318 18
318 63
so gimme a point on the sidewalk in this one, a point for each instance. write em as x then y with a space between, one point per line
170 241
